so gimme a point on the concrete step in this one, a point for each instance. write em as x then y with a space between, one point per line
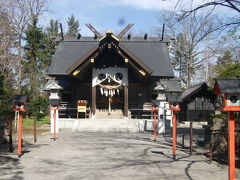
105 125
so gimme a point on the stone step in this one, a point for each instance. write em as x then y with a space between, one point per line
117 130
106 125
115 114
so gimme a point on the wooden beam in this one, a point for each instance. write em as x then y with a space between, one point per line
93 100
133 65
95 32
125 30
126 101
84 65
121 54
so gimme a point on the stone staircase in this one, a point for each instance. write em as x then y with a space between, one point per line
103 114
100 125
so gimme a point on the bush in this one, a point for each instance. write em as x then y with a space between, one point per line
38 107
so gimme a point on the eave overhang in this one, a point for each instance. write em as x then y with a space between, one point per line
109 41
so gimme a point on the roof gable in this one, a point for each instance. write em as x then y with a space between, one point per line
111 40
227 86
68 53
151 56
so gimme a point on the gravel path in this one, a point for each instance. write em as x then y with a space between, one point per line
106 156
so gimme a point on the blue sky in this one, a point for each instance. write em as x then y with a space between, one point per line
107 14
110 14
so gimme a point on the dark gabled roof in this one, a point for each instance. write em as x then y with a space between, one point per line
201 104
228 85
198 90
20 99
124 52
67 53
122 39
192 92
137 59
153 53
170 85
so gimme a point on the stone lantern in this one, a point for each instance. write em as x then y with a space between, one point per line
54 98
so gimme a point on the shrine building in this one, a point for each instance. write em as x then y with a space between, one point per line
111 73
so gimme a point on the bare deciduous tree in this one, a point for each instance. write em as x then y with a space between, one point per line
211 7
6 43
15 15
191 47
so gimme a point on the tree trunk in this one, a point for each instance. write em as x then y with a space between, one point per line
19 83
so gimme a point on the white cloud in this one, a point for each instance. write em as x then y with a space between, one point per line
138 4
147 4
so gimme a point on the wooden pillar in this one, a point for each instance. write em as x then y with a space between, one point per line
231 145
174 131
190 136
93 100
126 101
20 135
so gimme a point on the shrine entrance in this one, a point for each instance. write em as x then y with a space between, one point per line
109 96
108 100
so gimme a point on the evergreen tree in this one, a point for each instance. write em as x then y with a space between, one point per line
38 107
225 67
184 59
228 71
73 26
52 32
226 59
35 56
53 27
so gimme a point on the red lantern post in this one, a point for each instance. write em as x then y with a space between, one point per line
228 99
174 107
174 134
20 140
231 144
19 103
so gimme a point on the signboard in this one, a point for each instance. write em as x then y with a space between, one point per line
82 106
